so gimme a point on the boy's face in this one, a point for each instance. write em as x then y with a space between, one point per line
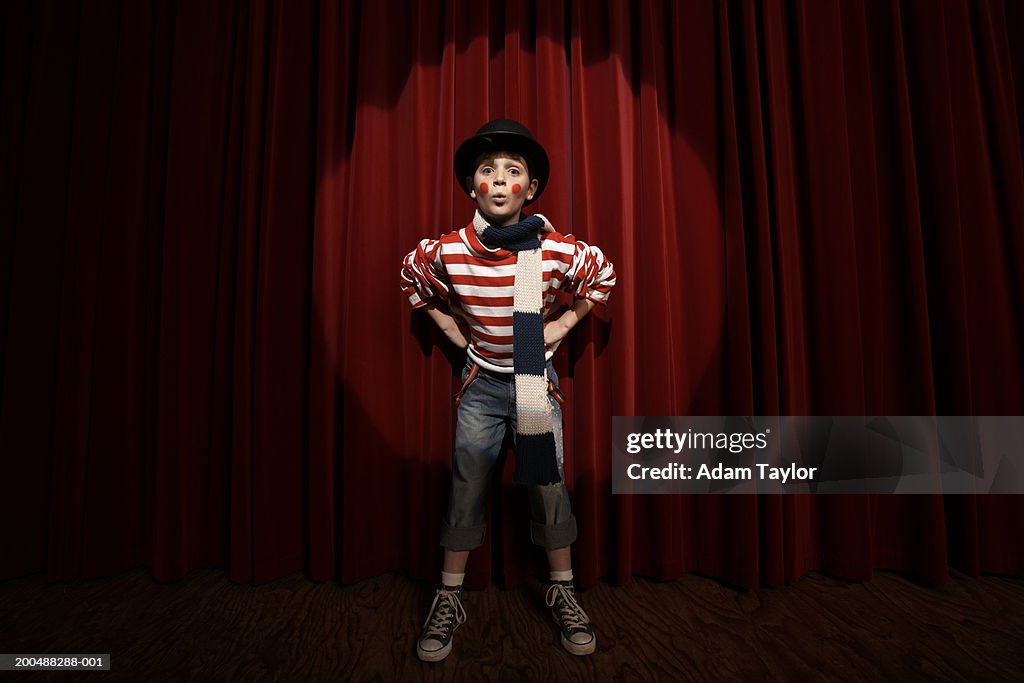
500 186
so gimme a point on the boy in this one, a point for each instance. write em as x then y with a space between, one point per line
490 287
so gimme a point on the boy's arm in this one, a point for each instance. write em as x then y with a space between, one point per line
423 277
425 283
589 278
556 330
453 328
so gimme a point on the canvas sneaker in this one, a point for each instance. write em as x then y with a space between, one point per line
446 615
574 624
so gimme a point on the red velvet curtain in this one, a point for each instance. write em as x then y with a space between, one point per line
205 360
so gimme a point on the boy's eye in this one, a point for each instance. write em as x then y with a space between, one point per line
487 169
513 171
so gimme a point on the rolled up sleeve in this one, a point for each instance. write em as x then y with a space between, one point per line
423 278
591 275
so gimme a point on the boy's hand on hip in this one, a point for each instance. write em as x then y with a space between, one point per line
457 335
456 330
556 330
554 333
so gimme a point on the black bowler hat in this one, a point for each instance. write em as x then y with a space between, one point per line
502 135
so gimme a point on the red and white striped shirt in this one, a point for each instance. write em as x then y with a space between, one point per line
477 284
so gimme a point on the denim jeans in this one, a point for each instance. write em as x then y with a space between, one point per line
487 410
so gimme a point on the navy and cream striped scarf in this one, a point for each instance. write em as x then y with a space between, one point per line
535 442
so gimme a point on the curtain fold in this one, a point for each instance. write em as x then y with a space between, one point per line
814 208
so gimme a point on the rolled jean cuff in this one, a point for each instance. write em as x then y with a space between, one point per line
462 538
552 536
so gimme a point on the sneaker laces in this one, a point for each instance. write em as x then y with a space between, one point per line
445 606
570 612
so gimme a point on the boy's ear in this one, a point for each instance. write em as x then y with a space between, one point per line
469 186
533 188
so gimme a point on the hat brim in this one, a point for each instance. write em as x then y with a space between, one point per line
501 141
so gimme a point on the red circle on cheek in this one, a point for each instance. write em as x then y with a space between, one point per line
517 188
484 188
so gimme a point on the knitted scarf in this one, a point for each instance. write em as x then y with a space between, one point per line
535 442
